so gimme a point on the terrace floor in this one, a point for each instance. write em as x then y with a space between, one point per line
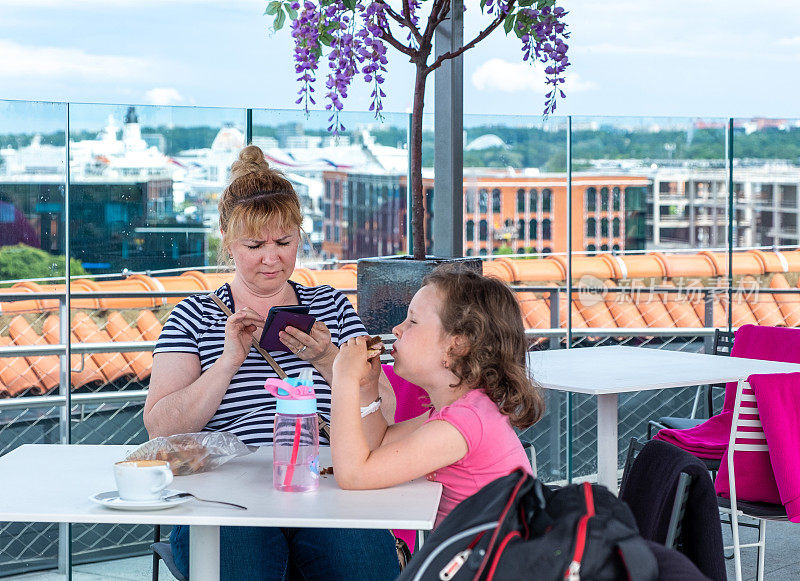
782 561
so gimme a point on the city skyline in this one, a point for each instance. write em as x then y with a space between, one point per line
629 58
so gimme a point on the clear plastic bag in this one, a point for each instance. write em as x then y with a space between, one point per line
192 453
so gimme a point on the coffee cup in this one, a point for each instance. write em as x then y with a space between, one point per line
141 480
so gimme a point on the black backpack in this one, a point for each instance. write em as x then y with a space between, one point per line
517 528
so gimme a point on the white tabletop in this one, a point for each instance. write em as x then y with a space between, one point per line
52 483
619 369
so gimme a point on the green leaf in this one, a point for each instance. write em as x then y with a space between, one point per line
350 4
279 20
509 23
273 7
291 11
326 38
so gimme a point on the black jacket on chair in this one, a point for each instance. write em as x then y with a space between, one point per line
649 490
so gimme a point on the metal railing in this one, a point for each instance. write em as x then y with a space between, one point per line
564 439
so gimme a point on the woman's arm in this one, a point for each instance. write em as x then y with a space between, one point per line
183 399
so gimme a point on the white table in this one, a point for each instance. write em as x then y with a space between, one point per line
608 371
52 483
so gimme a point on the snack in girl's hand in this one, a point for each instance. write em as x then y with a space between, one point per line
374 347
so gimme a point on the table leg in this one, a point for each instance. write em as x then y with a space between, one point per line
204 553
607 436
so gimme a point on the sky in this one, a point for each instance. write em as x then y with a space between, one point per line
683 58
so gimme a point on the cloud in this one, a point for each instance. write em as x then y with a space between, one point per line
46 62
163 96
499 75
791 42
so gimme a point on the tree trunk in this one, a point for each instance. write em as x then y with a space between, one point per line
415 147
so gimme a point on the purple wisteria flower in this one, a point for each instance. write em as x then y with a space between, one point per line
355 34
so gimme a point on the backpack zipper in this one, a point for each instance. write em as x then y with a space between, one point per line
573 572
449 570
423 568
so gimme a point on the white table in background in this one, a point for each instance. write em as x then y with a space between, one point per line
608 371
52 483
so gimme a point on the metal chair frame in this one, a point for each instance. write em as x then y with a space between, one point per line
678 512
741 441
163 551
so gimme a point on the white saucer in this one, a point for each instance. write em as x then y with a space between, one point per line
111 499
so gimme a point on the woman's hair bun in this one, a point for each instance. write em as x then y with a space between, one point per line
251 160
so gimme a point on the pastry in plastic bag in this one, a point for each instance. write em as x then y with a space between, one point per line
192 453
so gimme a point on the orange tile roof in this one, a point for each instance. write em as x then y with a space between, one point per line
44 366
16 375
637 307
789 304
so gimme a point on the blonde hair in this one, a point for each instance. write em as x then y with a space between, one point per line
256 197
485 312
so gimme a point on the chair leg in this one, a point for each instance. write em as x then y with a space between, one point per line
762 548
737 551
156 539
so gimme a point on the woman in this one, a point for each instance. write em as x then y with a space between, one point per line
207 376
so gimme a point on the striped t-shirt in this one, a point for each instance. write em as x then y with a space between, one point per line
197 325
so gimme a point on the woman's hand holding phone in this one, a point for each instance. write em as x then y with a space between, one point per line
314 346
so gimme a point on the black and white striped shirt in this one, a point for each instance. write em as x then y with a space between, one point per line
197 325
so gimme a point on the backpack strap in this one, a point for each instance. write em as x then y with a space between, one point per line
638 559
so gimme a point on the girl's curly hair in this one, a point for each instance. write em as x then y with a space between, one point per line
485 312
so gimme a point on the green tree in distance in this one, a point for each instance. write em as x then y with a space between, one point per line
21 261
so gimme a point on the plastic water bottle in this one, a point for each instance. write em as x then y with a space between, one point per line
295 465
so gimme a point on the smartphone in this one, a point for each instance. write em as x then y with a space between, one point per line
278 319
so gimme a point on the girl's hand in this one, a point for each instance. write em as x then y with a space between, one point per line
351 364
239 330
313 347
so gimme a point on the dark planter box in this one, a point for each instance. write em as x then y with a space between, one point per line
386 286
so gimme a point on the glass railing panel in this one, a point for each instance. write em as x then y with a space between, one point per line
649 233
145 182
515 212
766 237
515 186
32 251
144 185
352 187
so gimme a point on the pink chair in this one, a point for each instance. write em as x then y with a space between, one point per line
709 440
412 401
761 476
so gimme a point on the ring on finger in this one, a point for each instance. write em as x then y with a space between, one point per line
303 348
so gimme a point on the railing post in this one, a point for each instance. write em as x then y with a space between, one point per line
248 126
64 378
552 398
448 152
555 323
708 318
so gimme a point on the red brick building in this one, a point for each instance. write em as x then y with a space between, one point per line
365 214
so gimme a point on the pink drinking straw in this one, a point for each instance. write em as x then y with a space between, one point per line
287 480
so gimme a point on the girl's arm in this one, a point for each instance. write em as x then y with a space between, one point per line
407 452
321 352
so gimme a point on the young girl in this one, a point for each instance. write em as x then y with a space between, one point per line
463 342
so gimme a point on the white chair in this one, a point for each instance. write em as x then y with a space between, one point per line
743 442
